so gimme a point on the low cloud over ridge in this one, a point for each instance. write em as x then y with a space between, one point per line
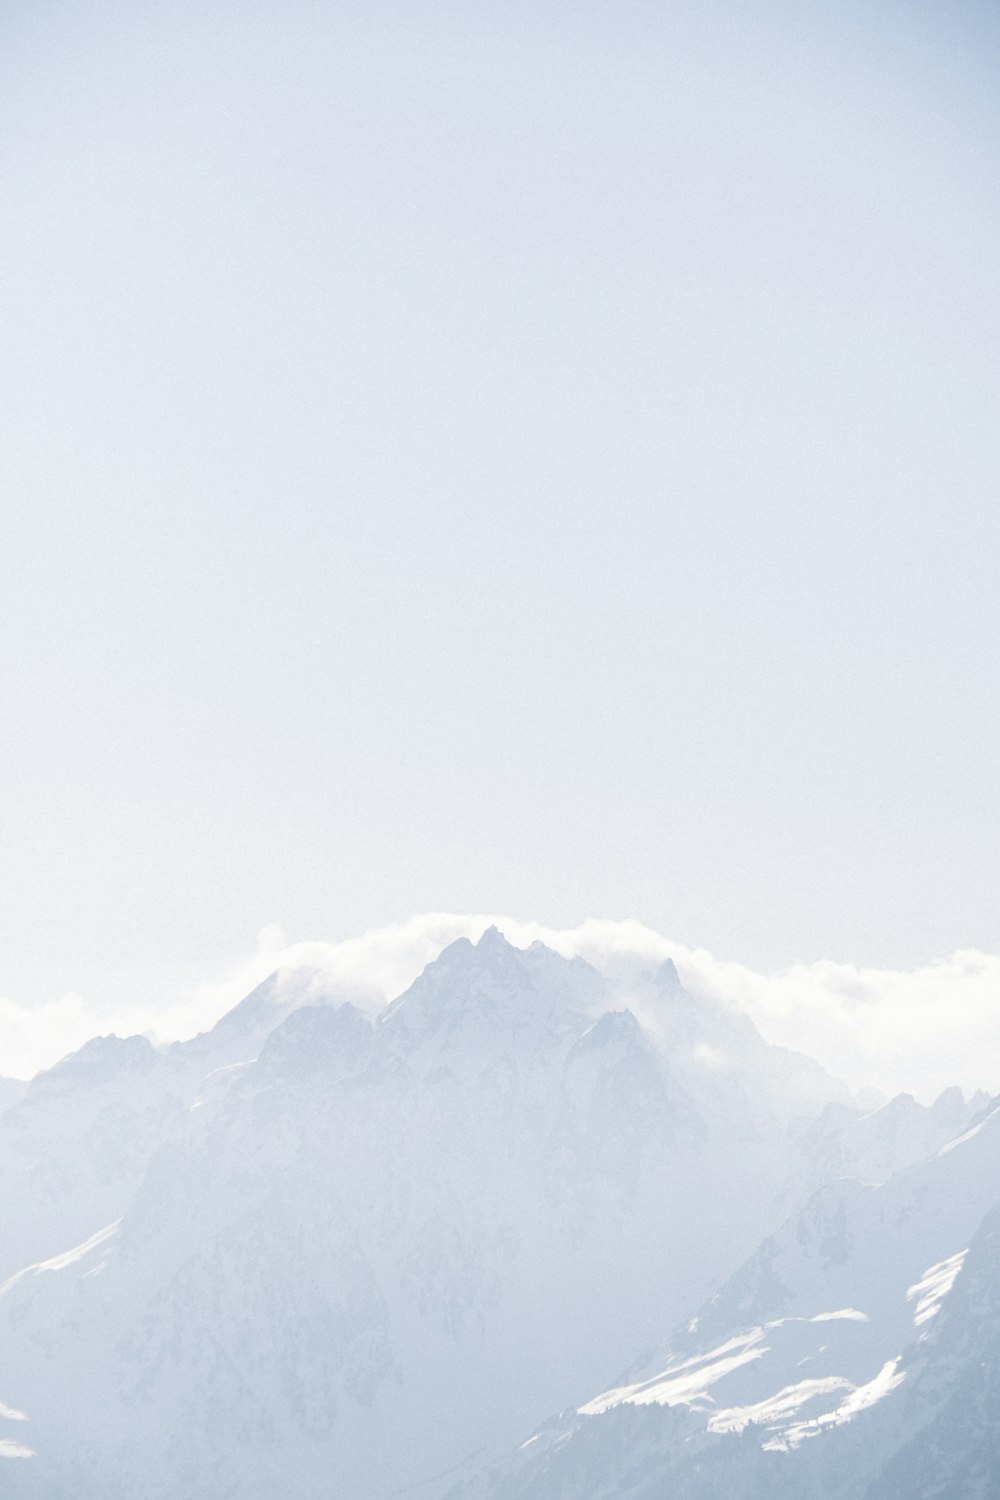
915 1030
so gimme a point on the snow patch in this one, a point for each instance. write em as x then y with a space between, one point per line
861 1398
932 1288
967 1135
787 1402
9 1449
687 1381
849 1314
67 1258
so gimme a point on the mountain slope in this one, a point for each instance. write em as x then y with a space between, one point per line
818 1365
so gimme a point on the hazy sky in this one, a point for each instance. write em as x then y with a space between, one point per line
539 458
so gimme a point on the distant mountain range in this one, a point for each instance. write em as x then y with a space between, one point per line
317 1252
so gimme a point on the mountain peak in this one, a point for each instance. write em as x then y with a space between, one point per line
667 978
493 940
464 986
102 1060
616 1034
490 995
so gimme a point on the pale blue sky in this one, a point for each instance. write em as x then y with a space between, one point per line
538 458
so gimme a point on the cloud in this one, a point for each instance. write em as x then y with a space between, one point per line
917 1030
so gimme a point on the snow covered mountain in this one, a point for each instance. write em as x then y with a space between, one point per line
871 1145
75 1141
311 1254
851 1358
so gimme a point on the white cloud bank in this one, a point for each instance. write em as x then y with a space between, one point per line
916 1030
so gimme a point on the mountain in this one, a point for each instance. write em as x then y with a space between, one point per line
850 1358
874 1144
715 1049
362 1255
75 1141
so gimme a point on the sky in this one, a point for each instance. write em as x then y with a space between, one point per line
532 458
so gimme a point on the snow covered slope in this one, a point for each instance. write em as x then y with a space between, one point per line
945 1440
370 1253
820 1368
